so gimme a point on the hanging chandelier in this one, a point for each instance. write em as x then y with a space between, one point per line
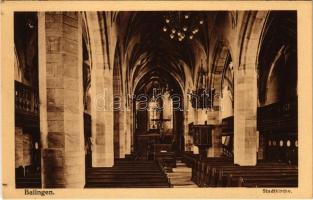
182 25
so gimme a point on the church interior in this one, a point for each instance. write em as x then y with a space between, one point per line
156 99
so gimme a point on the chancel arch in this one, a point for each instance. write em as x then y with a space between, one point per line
158 109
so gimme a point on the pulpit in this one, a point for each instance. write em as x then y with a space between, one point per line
202 138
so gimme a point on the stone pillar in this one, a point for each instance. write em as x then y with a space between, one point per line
108 118
61 100
122 126
102 119
129 129
189 117
119 138
216 149
195 148
102 97
116 134
245 106
260 145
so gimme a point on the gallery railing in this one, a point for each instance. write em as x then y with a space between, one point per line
26 99
278 117
26 105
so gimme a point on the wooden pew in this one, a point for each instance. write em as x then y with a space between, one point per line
239 179
127 174
30 180
213 172
208 170
229 176
202 169
269 181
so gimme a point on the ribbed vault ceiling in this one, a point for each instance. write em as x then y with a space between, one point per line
150 51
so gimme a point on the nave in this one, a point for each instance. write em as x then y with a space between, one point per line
139 99
210 172
221 172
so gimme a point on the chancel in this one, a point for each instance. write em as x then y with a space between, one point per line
162 99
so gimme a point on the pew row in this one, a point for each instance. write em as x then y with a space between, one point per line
127 174
222 172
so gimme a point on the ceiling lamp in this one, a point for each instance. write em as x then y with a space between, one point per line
195 31
30 24
183 25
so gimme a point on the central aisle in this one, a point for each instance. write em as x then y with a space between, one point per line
180 177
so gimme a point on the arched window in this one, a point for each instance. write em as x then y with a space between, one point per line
153 115
288 143
281 143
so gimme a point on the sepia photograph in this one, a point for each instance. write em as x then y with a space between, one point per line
165 99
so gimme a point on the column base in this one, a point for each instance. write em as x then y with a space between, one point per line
62 170
102 159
